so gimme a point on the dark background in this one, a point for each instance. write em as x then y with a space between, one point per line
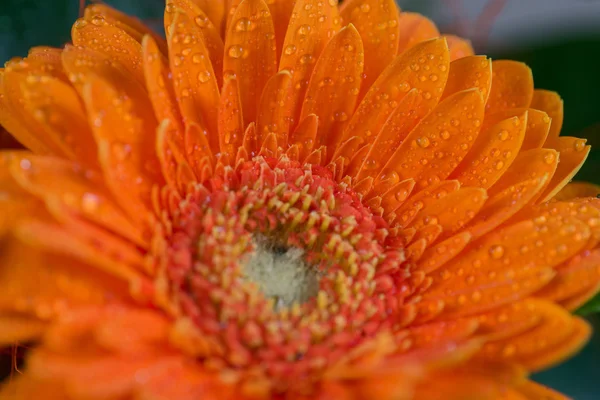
558 39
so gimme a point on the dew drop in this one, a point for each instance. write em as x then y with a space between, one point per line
496 251
503 135
549 158
235 51
579 144
290 49
423 141
204 76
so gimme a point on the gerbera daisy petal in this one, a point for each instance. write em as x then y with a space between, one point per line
113 42
126 150
377 22
401 122
312 25
414 28
573 153
555 337
512 86
574 190
82 192
530 164
250 47
333 97
459 47
60 282
231 120
194 78
395 82
538 125
132 26
430 155
160 90
469 72
453 210
275 109
492 153
57 105
502 206
551 104
14 115
575 277
15 328
210 32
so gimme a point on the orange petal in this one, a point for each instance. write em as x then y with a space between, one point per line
494 150
504 205
551 104
210 32
435 147
469 72
538 125
281 10
82 192
577 189
394 131
332 97
483 271
459 47
168 154
54 109
45 284
452 211
556 337
275 109
434 333
231 128
586 211
414 28
250 53
193 76
198 149
510 320
160 90
305 135
424 198
396 195
312 24
512 86
101 36
49 61
126 146
395 82
13 118
215 10
578 275
16 328
531 164
573 153
379 29
132 26
438 255
535 391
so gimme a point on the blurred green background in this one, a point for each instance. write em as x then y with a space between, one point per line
562 46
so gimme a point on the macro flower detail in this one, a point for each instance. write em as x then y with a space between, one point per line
287 200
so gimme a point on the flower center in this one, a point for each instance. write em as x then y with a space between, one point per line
281 273
276 267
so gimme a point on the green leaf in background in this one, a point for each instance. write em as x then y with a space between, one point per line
592 307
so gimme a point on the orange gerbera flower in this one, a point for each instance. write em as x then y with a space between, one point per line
287 201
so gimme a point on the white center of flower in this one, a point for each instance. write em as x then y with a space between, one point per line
281 273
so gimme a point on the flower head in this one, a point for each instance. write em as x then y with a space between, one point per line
287 200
